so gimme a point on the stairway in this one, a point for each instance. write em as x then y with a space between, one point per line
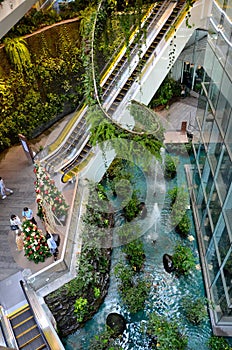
26 331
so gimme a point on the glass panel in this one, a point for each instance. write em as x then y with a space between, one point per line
222 112
212 262
228 274
227 211
215 146
201 204
206 231
218 292
221 49
228 66
215 207
228 139
208 125
223 241
224 177
201 107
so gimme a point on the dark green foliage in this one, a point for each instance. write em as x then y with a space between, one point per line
170 166
195 309
218 343
183 227
183 260
133 290
131 209
179 217
104 341
167 333
135 254
167 90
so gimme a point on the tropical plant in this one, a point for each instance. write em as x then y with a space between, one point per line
131 209
195 309
135 254
35 244
179 217
183 260
184 225
170 166
133 289
104 341
218 343
80 308
166 333
18 53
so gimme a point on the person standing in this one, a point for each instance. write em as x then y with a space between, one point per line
15 223
28 215
52 245
3 188
19 241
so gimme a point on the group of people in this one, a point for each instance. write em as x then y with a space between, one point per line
4 189
16 225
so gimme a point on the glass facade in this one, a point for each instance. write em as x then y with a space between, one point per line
212 175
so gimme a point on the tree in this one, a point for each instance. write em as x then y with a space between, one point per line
18 53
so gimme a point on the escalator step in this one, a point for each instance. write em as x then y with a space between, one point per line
22 322
28 344
19 313
26 331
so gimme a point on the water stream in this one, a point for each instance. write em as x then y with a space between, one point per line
166 291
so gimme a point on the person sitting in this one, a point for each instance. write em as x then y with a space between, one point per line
15 223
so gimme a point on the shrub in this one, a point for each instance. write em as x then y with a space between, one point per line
218 343
170 166
166 332
81 308
183 260
195 309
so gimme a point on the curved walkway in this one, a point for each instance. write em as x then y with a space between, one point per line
18 174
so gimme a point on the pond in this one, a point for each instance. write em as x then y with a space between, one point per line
167 291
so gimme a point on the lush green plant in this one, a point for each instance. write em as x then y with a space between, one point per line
183 260
80 308
179 217
170 166
167 333
218 343
131 209
183 227
133 290
104 341
135 254
97 292
195 309
168 89
18 53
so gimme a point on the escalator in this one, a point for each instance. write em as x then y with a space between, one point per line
26 331
114 89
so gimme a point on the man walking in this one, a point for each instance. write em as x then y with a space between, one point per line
3 188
